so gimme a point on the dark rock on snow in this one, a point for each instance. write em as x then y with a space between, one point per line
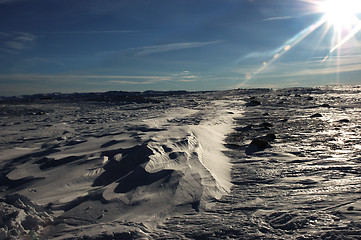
258 144
344 120
253 103
316 115
325 105
270 137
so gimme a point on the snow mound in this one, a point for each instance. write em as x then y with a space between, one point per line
108 174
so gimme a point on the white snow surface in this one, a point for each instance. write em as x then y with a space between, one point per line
203 165
93 162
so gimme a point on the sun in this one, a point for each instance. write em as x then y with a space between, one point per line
343 17
341 13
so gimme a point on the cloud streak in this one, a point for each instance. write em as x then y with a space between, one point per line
131 82
93 32
330 70
277 18
31 77
16 41
315 68
184 76
147 50
154 49
269 53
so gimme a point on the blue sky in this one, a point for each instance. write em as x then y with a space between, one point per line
136 45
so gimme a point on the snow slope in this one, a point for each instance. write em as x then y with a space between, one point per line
239 164
95 164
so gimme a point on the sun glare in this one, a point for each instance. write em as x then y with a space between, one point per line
341 13
343 17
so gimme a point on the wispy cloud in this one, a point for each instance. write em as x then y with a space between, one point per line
15 45
73 77
312 68
6 50
330 70
184 76
277 18
302 72
316 68
16 41
4 34
147 50
132 82
93 32
269 53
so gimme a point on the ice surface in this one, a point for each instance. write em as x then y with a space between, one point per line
181 165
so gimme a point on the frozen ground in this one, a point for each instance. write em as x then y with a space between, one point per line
183 166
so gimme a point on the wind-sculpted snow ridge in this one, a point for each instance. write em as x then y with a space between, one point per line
103 171
296 170
240 164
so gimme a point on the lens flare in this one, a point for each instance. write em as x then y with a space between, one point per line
340 16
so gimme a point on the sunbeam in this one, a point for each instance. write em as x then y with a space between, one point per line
342 16
339 16
286 47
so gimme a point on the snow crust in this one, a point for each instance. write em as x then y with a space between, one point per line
93 163
238 164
